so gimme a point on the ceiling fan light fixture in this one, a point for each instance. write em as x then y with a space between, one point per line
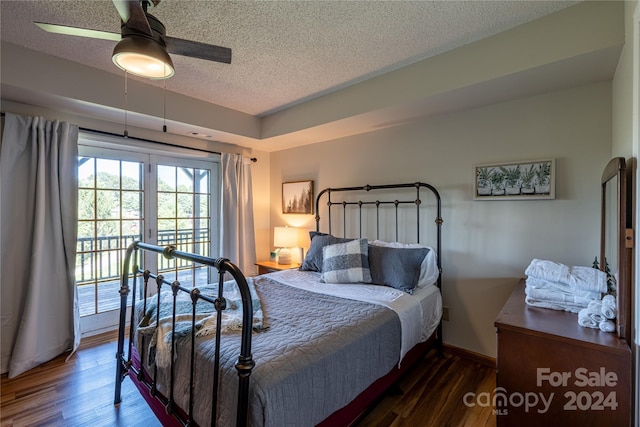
143 57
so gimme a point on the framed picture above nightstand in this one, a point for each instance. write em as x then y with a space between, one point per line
265 267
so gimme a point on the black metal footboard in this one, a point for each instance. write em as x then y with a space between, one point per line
245 361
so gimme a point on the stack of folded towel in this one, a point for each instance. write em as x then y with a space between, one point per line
599 314
560 287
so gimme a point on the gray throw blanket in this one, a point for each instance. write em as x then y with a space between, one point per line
206 317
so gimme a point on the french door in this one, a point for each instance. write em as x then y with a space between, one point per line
184 215
136 195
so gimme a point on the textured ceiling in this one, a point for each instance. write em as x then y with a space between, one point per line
284 52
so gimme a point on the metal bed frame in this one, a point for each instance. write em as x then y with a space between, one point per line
360 205
245 362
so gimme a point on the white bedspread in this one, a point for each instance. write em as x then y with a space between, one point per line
407 307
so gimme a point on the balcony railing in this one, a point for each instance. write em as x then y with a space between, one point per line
105 253
98 290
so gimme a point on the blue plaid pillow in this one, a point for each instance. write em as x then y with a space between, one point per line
346 262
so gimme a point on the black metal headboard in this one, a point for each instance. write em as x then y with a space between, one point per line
395 196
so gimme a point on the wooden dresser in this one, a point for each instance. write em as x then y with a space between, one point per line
554 372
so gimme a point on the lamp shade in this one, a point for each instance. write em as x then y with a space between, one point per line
285 237
143 57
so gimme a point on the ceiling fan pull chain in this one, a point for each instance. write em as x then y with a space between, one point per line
126 104
164 112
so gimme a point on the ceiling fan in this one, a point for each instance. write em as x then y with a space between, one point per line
143 47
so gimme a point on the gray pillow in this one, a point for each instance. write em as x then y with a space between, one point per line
346 262
313 259
396 267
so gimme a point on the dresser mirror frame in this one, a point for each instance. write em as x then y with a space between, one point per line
616 240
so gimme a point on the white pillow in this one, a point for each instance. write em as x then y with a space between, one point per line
429 267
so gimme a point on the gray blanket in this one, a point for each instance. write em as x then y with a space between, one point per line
318 354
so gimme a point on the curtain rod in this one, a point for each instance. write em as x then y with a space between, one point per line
102 132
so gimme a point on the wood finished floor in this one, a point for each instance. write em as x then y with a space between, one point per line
80 393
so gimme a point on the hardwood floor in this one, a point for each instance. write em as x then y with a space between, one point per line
75 393
80 393
432 394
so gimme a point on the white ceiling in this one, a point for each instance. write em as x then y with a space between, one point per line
284 52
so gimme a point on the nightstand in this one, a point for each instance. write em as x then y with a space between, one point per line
265 267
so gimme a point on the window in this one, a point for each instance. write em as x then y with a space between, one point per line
139 193
110 217
184 217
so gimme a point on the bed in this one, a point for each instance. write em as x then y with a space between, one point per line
314 346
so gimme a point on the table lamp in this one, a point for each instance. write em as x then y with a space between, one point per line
285 238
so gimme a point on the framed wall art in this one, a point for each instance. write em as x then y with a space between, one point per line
530 179
297 197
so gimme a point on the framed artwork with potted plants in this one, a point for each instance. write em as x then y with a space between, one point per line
529 179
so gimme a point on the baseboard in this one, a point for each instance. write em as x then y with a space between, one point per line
470 355
99 331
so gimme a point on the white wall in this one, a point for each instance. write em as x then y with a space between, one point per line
623 93
626 143
486 244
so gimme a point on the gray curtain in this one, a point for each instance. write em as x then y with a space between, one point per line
238 242
38 222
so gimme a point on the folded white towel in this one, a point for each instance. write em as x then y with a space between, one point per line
534 282
589 279
607 326
556 297
585 320
609 307
552 305
548 270
585 278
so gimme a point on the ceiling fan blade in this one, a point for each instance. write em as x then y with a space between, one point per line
199 50
133 15
77 31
